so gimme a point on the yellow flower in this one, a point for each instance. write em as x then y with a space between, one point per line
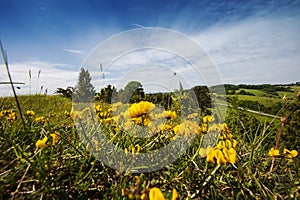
232 156
208 118
41 119
290 154
273 152
203 152
220 157
210 156
170 114
174 194
204 127
42 143
55 137
156 194
143 196
140 109
30 113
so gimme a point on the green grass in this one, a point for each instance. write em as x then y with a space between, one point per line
68 170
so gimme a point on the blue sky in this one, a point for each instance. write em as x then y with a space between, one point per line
249 41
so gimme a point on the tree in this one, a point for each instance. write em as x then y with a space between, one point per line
133 92
65 92
84 90
106 94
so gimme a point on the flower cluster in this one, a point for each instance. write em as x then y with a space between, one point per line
42 143
41 119
8 115
286 153
224 152
140 112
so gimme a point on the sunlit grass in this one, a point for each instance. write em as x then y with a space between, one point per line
61 166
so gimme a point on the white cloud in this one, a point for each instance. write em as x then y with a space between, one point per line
50 76
255 50
73 51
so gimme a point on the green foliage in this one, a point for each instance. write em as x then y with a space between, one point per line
68 92
84 90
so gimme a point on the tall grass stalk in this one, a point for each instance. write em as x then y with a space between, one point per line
4 56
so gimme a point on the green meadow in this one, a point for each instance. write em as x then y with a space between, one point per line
44 156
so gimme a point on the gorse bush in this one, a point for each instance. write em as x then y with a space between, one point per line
50 158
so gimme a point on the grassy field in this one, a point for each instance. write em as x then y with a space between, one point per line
46 157
267 99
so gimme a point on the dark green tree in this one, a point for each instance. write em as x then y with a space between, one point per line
65 92
84 90
133 92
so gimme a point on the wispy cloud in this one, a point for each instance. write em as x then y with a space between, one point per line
44 74
255 50
73 51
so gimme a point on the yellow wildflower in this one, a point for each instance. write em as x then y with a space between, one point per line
230 155
41 119
55 137
215 128
203 152
170 114
11 116
210 156
30 113
174 194
208 118
42 143
156 194
220 157
290 154
273 152
140 109
204 127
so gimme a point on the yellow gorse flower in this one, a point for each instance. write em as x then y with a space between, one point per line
42 143
203 152
290 154
8 115
55 137
273 152
140 109
223 152
140 112
169 114
41 119
156 194
208 118
30 113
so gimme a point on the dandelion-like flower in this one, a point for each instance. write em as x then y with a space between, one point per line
140 112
